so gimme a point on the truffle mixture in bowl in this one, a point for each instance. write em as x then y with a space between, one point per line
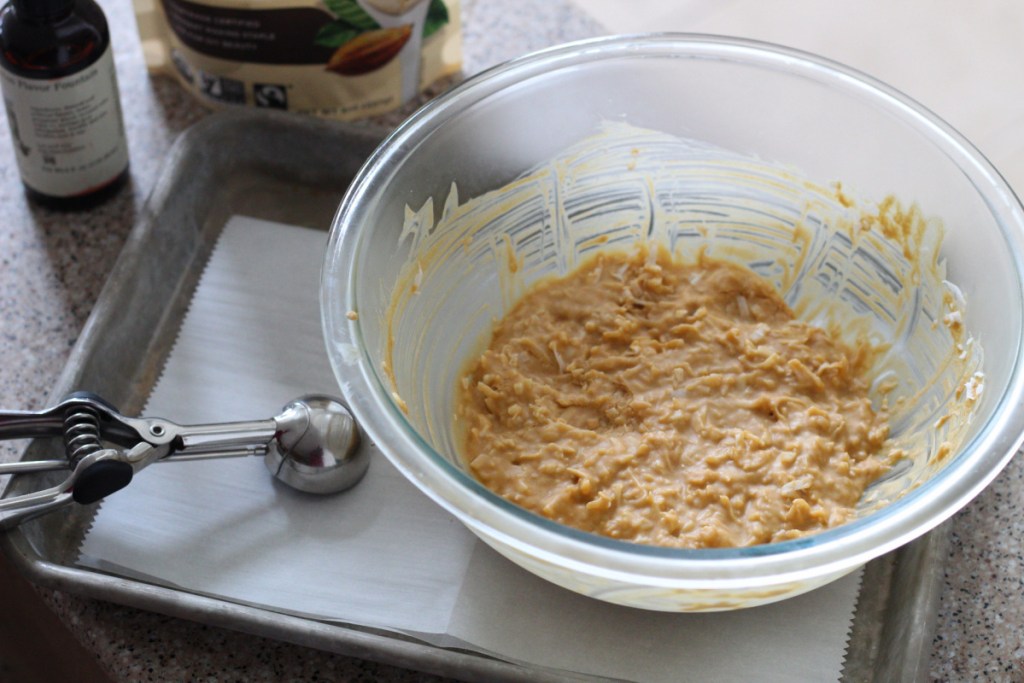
674 405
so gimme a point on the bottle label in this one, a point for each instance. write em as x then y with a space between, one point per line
68 132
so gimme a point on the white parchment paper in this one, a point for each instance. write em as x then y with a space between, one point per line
383 554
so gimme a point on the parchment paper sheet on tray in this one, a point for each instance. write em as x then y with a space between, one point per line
383 555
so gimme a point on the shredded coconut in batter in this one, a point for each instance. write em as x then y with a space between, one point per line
674 405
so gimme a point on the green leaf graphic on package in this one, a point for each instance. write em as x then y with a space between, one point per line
360 44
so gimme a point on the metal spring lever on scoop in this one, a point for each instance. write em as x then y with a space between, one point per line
311 446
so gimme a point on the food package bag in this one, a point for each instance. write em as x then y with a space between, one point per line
341 59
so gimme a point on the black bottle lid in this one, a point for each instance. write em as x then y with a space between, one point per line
42 10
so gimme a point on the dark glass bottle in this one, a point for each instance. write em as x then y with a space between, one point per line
60 93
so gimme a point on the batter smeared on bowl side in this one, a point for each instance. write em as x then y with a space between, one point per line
674 405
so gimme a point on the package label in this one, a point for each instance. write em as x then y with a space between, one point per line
337 58
261 36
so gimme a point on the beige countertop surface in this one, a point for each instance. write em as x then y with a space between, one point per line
960 60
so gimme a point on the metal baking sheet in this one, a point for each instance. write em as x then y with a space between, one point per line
297 174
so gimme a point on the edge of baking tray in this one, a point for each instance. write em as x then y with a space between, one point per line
309 163
897 607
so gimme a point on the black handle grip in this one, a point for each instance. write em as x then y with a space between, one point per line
100 479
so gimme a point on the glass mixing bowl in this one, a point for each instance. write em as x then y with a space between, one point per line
764 110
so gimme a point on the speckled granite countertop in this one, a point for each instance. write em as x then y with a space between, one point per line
53 266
